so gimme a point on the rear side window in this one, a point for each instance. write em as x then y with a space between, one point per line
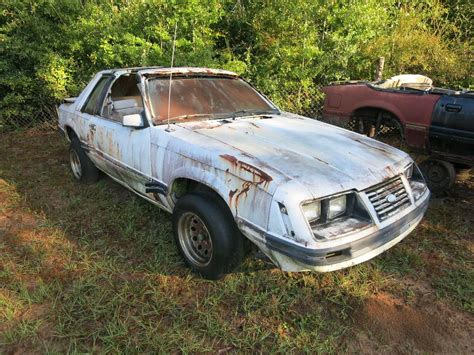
96 94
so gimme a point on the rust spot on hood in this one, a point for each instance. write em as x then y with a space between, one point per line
386 152
264 177
389 170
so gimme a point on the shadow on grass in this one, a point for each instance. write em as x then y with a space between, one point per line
100 267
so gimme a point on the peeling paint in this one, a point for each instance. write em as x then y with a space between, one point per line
265 178
231 195
264 167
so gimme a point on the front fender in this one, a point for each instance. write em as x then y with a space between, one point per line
245 199
204 177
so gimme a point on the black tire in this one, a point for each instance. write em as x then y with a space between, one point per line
439 175
212 251
82 168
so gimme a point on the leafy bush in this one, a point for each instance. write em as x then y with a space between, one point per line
50 48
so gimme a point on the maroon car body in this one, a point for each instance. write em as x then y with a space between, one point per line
413 109
435 121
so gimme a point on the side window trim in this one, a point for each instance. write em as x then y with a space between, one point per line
100 111
101 95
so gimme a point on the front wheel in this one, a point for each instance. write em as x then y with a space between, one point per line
206 235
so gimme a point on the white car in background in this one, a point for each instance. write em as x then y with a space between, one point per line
229 165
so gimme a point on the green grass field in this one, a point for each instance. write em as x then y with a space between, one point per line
95 269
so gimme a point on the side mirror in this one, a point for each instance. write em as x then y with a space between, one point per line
135 120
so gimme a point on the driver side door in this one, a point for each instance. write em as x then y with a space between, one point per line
123 152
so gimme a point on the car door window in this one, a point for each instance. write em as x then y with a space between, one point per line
123 98
91 105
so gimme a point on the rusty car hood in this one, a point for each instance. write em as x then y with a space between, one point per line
324 158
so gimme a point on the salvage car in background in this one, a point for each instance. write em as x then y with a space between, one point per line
434 121
227 163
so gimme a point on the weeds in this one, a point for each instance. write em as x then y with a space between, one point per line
95 269
457 285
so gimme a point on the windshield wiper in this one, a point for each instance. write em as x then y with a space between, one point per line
242 113
192 115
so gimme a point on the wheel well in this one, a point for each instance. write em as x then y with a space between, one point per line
372 112
70 133
183 186
371 115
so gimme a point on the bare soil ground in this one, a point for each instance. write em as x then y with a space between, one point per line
94 269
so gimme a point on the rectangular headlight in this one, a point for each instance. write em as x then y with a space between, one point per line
337 206
312 211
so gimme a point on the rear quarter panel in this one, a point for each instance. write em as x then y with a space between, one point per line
72 119
413 109
70 115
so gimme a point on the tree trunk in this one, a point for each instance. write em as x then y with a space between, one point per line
379 70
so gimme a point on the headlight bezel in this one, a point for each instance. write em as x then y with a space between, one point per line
416 180
409 170
351 202
355 216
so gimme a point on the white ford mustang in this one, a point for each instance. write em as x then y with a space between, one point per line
229 165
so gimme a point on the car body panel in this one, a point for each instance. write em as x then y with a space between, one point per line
433 121
413 108
263 166
452 129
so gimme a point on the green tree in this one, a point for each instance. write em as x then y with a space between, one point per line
49 49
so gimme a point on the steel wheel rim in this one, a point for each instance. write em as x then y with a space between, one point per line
195 239
436 174
75 164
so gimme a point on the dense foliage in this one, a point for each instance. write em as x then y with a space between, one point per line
50 48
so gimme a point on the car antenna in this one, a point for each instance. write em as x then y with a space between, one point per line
171 75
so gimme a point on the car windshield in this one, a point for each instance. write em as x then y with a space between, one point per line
205 98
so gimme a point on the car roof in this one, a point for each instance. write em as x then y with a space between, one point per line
151 71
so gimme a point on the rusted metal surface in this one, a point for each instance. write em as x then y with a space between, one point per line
256 172
263 166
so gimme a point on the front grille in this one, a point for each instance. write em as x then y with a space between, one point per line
384 206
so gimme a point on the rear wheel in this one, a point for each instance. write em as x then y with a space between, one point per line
206 235
82 167
439 174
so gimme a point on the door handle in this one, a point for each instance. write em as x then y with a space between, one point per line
453 108
92 127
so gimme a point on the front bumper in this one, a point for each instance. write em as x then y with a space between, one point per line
291 257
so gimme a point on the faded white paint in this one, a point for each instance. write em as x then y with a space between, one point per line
257 164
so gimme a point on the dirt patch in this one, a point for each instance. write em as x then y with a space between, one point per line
385 323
